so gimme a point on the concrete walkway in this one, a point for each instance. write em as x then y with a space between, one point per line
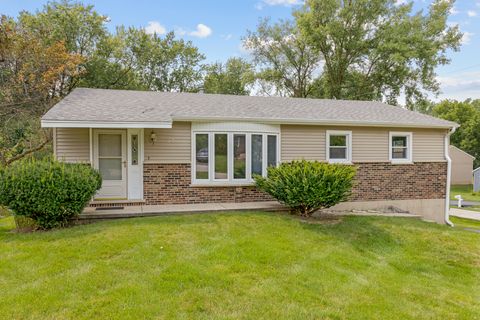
154 210
91 213
467 214
465 203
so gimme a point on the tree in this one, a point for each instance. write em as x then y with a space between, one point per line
287 62
30 74
161 64
112 65
78 26
234 77
377 49
467 115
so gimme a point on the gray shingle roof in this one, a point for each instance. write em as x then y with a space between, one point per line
143 106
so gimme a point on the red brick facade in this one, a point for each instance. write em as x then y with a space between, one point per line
386 181
170 184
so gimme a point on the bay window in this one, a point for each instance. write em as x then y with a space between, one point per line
232 157
221 156
201 156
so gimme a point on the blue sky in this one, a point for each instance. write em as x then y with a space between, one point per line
216 27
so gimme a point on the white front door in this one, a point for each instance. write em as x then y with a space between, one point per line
110 159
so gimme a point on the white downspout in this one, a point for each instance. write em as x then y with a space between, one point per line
449 177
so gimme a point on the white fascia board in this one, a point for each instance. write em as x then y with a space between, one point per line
105 124
317 122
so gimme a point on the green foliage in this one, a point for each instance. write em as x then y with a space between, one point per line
306 186
78 25
234 77
287 62
376 49
467 115
47 191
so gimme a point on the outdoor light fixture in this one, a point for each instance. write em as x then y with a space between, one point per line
153 137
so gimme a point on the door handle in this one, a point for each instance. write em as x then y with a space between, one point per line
124 163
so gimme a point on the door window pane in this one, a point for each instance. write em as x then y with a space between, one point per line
110 145
221 153
110 169
134 149
272 151
201 155
257 154
239 156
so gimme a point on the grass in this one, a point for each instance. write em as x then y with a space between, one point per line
241 266
466 191
465 223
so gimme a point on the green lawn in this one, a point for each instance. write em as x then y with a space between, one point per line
466 191
247 266
465 223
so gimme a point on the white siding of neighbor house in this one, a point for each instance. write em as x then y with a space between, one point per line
369 144
72 144
172 145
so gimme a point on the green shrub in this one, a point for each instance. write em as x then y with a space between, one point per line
307 186
47 191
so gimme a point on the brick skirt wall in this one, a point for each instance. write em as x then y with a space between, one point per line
170 184
386 181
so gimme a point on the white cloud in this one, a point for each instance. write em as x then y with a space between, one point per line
472 13
454 11
180 31
202 31
285 3
467 36
155 27
460 86
227 37
400 2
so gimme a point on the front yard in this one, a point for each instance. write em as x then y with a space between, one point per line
250 266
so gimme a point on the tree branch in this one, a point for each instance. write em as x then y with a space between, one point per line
28 151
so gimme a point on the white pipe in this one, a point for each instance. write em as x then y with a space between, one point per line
449 177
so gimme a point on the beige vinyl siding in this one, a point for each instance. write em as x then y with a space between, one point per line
172 145
428 145
72 144
302 142
369 144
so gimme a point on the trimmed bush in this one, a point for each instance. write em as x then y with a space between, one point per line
307 186
47 191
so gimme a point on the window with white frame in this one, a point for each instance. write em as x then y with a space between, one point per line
232 157
339 146
400 146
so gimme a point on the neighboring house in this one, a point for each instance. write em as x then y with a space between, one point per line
476 180
462 166
177 148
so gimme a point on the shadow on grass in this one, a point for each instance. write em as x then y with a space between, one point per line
9 234
361 233
364 234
